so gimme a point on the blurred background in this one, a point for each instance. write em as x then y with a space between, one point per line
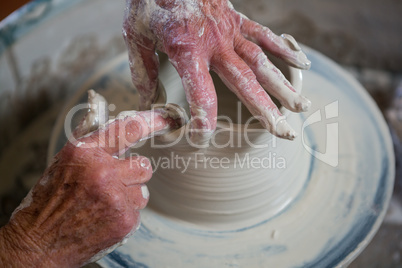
363 36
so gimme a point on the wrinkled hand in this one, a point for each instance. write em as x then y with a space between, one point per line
199 35
87 200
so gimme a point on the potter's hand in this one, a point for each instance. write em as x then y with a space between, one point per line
87 200
201 34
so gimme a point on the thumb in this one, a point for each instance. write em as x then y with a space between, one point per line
117 135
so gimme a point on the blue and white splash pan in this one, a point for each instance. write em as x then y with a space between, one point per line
333 218
341 204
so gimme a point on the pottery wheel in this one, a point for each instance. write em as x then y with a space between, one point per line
342 204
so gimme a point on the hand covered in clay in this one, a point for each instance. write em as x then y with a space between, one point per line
199 35
87 200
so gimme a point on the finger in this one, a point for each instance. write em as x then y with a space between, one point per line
133 173
144 63
235 73
284 46
201 96
271 77
133 170
137 196
128 128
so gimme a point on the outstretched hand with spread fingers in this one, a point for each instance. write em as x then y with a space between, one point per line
203 35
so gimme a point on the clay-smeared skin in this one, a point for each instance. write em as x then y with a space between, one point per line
201 34
87 200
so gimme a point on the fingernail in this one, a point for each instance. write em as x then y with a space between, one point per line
145 163
291 42
302 58
305 103
177 113
200 139
144 191
91 94
284 130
